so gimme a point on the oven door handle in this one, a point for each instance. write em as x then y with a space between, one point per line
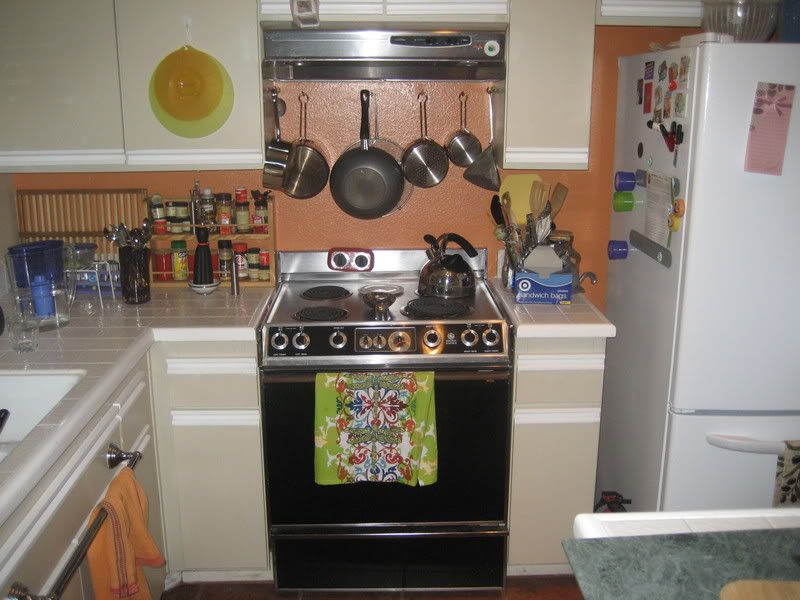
309 377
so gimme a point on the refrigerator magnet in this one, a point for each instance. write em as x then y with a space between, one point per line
680 105
639 90
662 70
683 70
649 68
672 72
667 105
648 98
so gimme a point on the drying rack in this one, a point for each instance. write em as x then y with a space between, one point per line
19 591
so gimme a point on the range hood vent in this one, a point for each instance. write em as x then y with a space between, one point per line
373 54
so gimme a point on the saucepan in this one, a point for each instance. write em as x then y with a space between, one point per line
276 156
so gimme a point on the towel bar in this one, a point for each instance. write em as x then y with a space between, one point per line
18 591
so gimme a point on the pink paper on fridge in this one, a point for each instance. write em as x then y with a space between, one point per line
769 128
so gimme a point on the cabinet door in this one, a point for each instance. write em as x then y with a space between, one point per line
149 30
549 84
682 13
220 491
552 480
60 99
409 10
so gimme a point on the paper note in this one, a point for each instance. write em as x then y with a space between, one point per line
769 128
658 208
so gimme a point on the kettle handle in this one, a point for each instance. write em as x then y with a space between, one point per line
433 251
454 237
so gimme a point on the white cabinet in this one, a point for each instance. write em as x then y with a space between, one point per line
683 13
41 535
395 10
558 389
549 84
149 30
59 98
208 429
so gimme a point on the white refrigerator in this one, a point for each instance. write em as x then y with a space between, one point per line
702 381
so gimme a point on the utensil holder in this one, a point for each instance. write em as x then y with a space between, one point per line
135 274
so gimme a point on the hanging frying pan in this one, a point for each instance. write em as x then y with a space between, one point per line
366 181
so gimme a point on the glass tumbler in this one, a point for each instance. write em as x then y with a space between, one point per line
134 270
24 327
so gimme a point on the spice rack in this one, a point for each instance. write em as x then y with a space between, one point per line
264 241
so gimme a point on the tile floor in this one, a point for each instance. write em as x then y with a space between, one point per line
561 587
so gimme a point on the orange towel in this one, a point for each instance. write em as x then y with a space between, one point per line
123 544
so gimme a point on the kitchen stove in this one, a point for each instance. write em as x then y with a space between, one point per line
319 316
450 534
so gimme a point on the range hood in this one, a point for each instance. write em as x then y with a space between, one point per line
374 52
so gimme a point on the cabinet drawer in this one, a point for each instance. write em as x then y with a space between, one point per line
64 518
559 380
215 383
553 476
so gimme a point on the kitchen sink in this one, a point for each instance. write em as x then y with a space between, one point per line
29 396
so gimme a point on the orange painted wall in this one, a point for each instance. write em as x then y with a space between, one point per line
455 205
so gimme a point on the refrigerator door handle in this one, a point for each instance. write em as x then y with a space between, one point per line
740 443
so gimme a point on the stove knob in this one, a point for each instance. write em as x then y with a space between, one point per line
379 342
338 339
399 341
432 338
279 341
469 337
301 340
491 337
365 342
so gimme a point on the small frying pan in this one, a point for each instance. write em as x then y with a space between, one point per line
366 181
425 162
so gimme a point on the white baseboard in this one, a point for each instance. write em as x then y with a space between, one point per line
556 569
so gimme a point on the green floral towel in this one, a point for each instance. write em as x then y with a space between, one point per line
375 427
787 478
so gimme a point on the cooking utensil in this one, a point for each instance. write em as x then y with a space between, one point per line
307 169
544 224
447 275
366 181
425 162
557 198
483 171
463 147
518 187
496 210
380 297
537 198
276 156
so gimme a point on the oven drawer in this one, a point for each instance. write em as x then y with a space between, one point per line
405 562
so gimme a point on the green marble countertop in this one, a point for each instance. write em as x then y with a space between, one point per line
686 566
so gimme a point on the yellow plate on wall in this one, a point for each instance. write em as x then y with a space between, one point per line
519 190
191 93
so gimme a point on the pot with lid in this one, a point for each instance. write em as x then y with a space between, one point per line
447 275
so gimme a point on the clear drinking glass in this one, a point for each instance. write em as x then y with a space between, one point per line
24 327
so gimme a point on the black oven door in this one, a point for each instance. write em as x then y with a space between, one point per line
473 421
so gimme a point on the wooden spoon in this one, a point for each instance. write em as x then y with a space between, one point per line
558 198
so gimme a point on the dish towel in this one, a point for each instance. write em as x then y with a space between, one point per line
378 427
123 545
787 478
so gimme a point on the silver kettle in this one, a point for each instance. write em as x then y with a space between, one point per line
447 275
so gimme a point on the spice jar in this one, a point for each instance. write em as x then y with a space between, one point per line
159 226
162 264
260 217
263 266
243 217
225 259
157 210
207 207
252 263
240 258
181 223
224 213
180 260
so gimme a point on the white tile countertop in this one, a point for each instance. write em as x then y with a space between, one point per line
579 319
107 342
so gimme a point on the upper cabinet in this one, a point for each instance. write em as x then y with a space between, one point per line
59 98
549 84
447 11
678 13
148 31
76 85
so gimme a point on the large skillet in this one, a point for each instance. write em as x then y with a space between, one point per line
366 181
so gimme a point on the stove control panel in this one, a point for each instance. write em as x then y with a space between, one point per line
382 338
